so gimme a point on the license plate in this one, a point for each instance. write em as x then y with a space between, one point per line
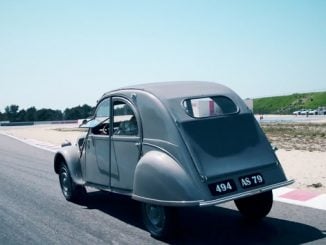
222 187
251 180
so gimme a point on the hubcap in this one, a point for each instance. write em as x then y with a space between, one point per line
156 215
65 183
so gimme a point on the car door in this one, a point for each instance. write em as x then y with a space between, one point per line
125 144
97 163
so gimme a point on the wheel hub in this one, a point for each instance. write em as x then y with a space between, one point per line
156 215
65 183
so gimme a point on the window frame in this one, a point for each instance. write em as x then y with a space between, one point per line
132 107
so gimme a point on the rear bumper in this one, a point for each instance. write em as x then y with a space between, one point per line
203 203
245 194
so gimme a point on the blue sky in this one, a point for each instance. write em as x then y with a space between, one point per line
59 54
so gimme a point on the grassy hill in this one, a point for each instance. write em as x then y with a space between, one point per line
289 103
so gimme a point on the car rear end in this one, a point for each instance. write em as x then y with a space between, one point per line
230 150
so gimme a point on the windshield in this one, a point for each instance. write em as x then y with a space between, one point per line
102 115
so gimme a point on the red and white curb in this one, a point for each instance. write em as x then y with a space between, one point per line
284 194
304 198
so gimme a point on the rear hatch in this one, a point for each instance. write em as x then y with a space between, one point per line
222 146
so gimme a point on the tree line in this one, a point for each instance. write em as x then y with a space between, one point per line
13 114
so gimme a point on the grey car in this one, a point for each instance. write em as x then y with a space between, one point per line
173 144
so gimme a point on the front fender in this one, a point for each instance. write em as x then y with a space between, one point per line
160 180
70 155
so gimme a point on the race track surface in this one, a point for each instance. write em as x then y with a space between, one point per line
33 211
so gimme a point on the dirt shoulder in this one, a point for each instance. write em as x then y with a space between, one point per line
297 136
302 152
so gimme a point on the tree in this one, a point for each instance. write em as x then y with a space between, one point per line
31 114
78 112
21 116
48 115
11 112
3 116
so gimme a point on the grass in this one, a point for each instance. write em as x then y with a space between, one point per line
289 103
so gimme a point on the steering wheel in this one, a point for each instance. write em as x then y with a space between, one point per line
104 130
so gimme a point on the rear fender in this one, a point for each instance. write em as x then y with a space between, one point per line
70 155
159 179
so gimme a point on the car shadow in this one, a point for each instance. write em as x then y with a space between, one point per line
119 206
212 225
217 225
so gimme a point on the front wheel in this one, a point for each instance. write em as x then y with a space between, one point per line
158 220
255 207
70 190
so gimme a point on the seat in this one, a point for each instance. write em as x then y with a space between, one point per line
128 127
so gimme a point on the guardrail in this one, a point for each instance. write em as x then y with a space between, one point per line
37 123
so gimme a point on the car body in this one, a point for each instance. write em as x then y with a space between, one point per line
296 113
313 112
170 145
304 112
321 110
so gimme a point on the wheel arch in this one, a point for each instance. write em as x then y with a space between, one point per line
160 179
70 156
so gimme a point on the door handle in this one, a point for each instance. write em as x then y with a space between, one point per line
89 143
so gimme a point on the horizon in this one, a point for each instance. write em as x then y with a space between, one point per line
63 54
94 105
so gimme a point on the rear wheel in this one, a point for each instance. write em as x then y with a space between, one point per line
255 207
158 220
71 191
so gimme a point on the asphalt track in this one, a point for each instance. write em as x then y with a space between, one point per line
33 211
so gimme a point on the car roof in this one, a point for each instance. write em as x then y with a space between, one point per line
171 94
171 90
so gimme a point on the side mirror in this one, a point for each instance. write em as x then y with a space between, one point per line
85 122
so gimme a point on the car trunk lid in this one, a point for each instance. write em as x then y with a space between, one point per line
224 145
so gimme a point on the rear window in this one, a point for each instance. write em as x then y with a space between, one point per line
209 106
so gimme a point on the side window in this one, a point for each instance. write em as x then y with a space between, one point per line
125 122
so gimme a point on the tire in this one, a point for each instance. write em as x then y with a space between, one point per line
71 191
158 220
255 207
